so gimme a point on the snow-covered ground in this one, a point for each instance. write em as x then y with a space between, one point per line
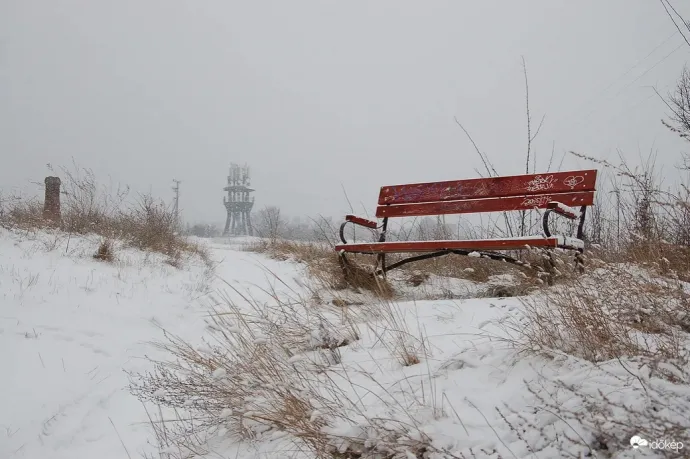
71 328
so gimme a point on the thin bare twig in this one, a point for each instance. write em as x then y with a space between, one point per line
664 3
118 436
487 164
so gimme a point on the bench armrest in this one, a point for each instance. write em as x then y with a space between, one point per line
357 221
361 221
563 210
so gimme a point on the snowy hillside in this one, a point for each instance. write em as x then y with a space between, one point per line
401 378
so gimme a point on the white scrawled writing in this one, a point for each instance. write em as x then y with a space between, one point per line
573 180
537 201
541 183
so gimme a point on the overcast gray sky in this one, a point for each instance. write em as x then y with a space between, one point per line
317 94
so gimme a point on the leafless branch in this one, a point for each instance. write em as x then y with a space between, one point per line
529 118
666 2
553 150
487 164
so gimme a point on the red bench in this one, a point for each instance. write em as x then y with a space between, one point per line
565 193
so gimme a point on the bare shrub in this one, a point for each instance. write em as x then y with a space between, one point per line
86 206
21 213
270 224
149 225
679 103
641 210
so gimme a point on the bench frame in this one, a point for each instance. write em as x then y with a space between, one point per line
555 192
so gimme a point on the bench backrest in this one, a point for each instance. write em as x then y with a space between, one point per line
493 194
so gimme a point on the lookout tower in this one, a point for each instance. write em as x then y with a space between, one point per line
238 203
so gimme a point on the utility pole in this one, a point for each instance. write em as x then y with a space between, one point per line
176 206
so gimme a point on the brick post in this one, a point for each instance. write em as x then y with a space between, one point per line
51 206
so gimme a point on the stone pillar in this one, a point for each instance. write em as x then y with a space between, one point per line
51 205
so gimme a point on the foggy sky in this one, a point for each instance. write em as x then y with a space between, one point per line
316 96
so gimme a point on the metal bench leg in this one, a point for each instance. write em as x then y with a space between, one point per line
342 261
580 261
550 267
380 269
579 256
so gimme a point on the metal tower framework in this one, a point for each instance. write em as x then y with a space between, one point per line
238 202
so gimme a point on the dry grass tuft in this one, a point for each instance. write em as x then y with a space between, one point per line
362 278
106 251
408 348
670 260
417 278
22 213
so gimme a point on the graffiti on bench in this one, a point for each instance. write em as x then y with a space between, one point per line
541 183
536 201
406 193
573 181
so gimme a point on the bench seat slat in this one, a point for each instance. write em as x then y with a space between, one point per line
471 244
576 199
